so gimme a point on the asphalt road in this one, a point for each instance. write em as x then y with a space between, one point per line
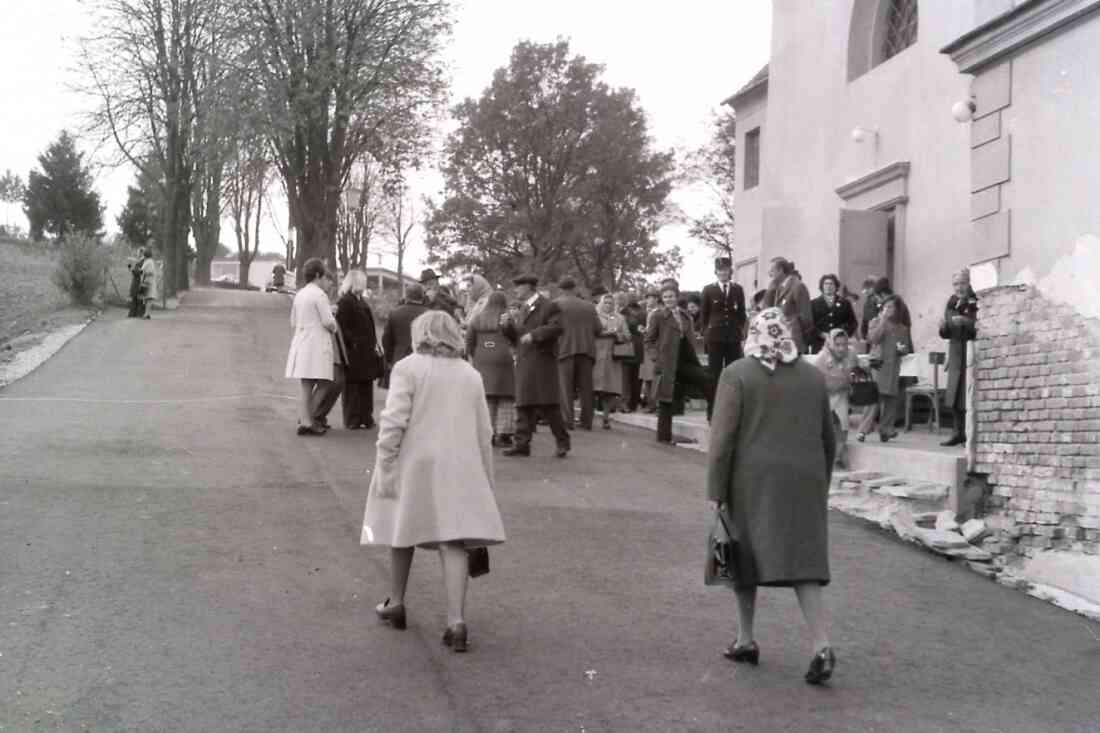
174 558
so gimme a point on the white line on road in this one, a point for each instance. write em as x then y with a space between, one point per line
192 400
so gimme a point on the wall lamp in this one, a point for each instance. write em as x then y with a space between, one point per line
861 134
963 111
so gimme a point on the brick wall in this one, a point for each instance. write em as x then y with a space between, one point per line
1037 416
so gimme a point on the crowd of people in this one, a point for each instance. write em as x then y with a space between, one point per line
467 375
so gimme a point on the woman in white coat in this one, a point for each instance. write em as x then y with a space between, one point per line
311 355
432 484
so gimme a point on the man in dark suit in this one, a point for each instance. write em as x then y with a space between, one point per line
534 333
437 298
576 353
397 336
722 319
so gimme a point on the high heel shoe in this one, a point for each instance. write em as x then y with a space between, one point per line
861 437
821 667
455 637
749 653
393 615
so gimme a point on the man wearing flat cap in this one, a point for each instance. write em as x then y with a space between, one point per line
438 299
580 325
534 333
722 319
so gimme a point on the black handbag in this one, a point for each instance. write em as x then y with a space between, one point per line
864 388
728 562
478 558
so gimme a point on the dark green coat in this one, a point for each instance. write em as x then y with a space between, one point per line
770 460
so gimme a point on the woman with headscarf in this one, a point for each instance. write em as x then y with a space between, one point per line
477 296
356 320
836 362
959 325
890 341
769 465
491 354
607 374
432 484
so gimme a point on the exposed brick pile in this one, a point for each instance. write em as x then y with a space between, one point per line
1037 412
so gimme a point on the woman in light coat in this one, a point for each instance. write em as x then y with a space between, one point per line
769 466
311 354
148 288
607 375
432 484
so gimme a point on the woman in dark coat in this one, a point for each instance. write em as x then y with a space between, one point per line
491 355
959 325
770 464
831 310
890 341
356 321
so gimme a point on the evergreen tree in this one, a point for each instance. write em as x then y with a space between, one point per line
60 199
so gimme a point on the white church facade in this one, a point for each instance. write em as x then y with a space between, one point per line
911 138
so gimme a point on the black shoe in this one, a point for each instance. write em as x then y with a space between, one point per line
393 615
561 452
821 667
954 440
455 637
369 424
683 441
749 653
303 430
517 450
505 439
354 427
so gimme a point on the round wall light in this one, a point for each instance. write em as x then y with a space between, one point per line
964 111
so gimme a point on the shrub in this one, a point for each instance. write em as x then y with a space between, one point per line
81 268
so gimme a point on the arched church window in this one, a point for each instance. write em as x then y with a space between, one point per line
900 26
880 30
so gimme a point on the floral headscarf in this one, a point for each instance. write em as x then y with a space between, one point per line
830 341
770 339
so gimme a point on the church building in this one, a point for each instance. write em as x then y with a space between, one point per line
911 138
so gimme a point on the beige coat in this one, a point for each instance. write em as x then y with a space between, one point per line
311 350
433 475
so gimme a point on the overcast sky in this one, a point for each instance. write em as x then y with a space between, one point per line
683 61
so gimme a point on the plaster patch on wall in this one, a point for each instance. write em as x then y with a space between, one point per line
1075 279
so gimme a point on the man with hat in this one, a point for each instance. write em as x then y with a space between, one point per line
722 319
580 325
534 333
438 297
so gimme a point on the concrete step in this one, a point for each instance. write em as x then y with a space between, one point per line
910 456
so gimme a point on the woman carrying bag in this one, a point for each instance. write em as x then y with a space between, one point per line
432 484
769 466
607 375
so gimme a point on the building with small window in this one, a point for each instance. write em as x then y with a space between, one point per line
851 160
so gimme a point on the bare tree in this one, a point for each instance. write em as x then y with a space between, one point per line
714 165
247 174
142 68
398 223
360 208
342 79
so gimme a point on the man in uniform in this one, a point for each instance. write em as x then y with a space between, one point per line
723 319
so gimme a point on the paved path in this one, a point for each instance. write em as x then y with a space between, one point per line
173 557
